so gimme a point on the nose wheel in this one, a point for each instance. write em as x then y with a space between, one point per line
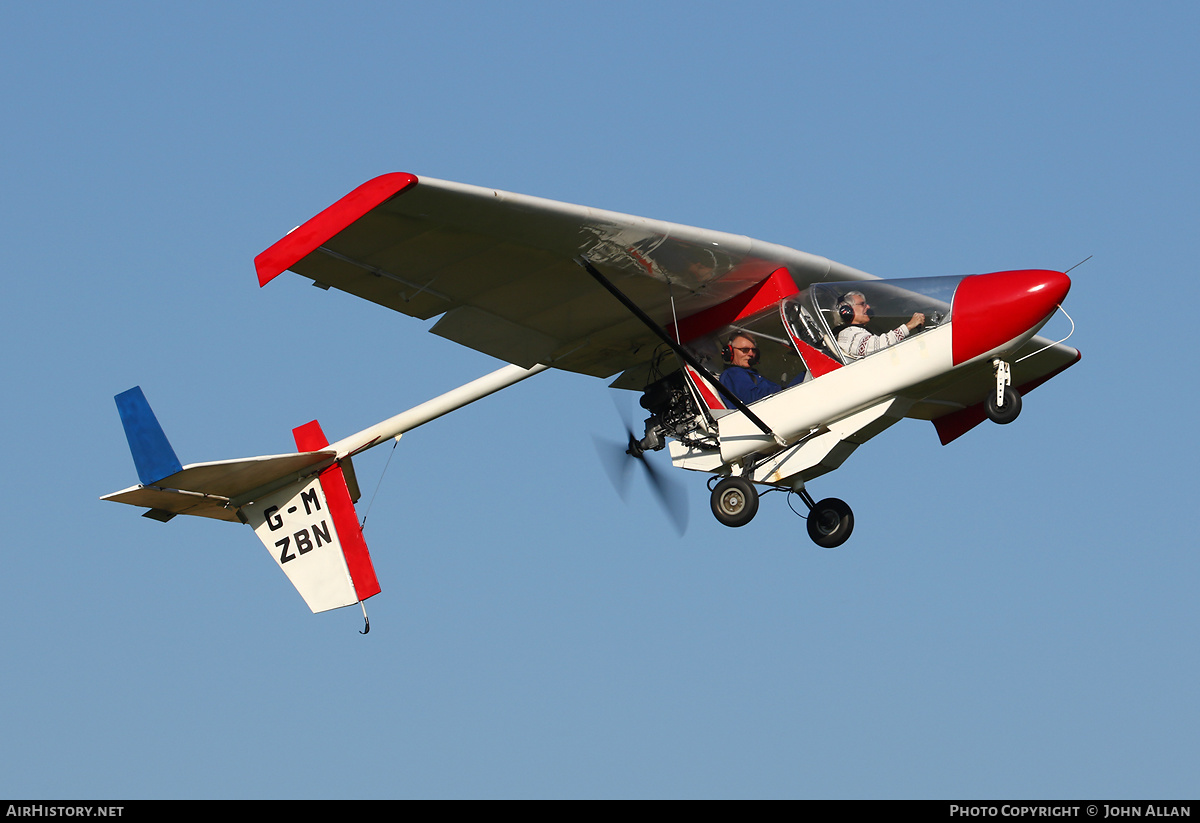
1004 404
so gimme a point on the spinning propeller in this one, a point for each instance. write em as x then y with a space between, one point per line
617 460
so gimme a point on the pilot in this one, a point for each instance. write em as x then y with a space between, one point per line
741 353
855 340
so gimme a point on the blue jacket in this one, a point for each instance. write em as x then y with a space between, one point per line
747 384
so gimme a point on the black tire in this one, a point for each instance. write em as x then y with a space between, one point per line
830 523
1007 412
735 501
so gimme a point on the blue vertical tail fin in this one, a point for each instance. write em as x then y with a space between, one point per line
152 452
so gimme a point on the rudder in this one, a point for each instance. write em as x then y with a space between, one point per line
152 452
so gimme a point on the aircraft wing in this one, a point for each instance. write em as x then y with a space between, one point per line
957 407
499 268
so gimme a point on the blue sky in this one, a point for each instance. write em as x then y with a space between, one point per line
1014 616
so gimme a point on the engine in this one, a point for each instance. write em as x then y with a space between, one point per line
673 413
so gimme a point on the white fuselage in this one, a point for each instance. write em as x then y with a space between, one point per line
795 412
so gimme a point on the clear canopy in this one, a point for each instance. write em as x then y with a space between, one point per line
814 318
782 333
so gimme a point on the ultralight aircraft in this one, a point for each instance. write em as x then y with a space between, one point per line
541 284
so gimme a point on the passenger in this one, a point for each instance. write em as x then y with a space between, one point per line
855 340
741 353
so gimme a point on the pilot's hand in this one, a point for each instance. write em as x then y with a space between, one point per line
917 320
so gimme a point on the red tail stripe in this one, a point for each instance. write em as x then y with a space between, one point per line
309 437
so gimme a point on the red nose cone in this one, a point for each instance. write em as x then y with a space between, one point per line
993 309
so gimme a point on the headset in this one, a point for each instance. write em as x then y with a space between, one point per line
845 312
727 349
845 308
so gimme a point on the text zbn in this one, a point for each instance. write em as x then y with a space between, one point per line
304 544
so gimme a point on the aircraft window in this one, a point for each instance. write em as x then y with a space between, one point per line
892 303
778 360
803 320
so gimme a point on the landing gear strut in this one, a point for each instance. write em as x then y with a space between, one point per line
1004 404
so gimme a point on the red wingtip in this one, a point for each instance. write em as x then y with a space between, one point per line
308 237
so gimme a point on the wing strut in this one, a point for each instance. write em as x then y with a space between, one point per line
679 350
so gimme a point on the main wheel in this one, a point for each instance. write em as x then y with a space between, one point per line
1006 412
735 501
830 523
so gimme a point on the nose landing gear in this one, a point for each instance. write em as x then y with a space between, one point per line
1004 404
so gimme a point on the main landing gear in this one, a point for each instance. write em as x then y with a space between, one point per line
830 522
735 502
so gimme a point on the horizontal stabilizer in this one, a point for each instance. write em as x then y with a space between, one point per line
205 489
173 501
212 489
234 478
